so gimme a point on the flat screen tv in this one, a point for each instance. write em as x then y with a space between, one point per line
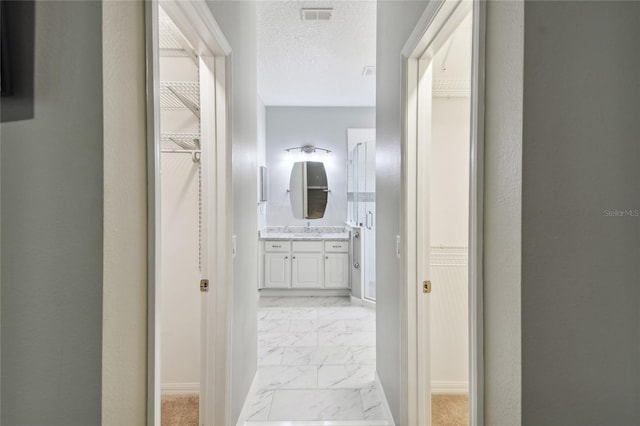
17 35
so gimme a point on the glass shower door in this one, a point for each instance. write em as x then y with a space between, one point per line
367 206
362 209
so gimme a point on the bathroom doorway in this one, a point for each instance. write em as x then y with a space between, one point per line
316 316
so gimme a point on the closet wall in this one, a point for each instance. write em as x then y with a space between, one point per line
449 239
180 224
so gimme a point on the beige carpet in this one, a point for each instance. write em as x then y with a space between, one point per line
446 410
449 410
180 410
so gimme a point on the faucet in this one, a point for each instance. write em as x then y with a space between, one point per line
308 227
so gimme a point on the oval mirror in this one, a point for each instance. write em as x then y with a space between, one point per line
308 190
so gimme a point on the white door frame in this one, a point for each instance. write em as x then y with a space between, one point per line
198 25
416 53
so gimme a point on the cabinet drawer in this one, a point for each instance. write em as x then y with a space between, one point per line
307 246
336 246
277 246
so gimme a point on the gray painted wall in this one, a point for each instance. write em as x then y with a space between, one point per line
324 127
581 274
52 228
396 20
238 22
502 212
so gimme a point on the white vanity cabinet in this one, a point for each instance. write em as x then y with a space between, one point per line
277 264
302 264
307 266
336 264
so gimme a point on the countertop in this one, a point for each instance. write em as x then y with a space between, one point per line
304 233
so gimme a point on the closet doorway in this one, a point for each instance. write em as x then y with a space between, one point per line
442 211
189 214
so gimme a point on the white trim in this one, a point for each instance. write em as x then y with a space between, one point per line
153 209
449 387
180 388
363 302
408 321
440 16
208 357
423 242
300 292
221 300
196 22
415 41
246 407
476 219
385 403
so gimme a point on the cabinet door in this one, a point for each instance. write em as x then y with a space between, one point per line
308 271
336 267
277 270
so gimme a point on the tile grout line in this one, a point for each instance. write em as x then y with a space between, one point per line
315 322
273 395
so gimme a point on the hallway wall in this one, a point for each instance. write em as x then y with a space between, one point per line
396 20
580 269
503 213
52 221
124 327
262 158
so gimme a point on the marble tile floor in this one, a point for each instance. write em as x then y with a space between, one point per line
316 364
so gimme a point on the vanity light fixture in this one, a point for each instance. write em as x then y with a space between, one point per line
307 149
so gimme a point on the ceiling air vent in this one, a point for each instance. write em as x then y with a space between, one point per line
316 14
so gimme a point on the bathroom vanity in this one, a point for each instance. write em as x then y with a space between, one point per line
305 258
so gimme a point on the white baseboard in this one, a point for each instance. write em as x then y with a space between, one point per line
179 388
449 387
363 302
302 292
246 407
385 404
321 423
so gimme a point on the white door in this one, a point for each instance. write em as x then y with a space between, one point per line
216 239
307 270
336 270
277 270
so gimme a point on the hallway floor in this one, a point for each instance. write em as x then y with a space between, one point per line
316 362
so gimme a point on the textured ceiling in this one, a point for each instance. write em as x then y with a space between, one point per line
316 63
